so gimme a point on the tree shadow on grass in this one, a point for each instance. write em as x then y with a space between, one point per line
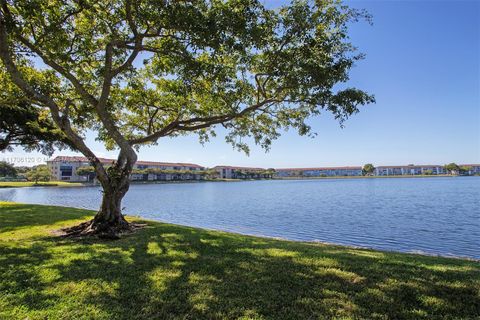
172 272
16 216
17 276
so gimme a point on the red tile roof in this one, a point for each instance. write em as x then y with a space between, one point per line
180 164
78 159
237 168
320 168
168 164
412 166
146 163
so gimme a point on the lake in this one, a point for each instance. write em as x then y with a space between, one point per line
428 215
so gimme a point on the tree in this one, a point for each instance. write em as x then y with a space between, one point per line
269 173
368 169
39 173
22 172
452 168
212 174
7 169
138 71
209 173
24 124
465 170
86 171
23 169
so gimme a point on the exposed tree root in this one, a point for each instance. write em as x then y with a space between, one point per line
102 230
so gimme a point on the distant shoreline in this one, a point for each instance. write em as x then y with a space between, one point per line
26 184
371 177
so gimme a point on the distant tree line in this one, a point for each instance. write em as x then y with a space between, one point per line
455 169
40 173
89 171
176 174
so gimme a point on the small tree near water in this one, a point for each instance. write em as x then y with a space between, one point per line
87 171
368 169
465 170
39 174
452 168
139 71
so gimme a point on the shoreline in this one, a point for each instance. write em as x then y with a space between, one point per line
373 177
260 236
309 242
313 242
165 270
27 184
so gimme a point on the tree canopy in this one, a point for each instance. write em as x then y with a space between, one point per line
85 171
24 124
465 169
453 168
368 169
137 71
39 173
201 63
7 169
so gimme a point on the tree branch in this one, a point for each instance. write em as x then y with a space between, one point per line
61 121
98 104
185 125
78 86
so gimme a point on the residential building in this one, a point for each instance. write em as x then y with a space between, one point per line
319 172
65 168
409 170
473 169
231 172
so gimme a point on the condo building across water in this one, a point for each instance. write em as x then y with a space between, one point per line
319 172
65 168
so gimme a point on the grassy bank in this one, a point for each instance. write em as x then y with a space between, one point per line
16 184
174 272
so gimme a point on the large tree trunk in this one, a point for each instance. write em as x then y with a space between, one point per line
109 221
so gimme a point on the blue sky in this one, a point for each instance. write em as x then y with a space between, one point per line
422 64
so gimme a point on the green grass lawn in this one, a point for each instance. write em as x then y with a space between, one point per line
172 272
15 184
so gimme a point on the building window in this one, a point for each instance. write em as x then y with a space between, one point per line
66 171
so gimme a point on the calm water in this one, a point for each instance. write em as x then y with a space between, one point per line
430 215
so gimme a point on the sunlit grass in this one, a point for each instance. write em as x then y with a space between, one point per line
16 184
173 272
